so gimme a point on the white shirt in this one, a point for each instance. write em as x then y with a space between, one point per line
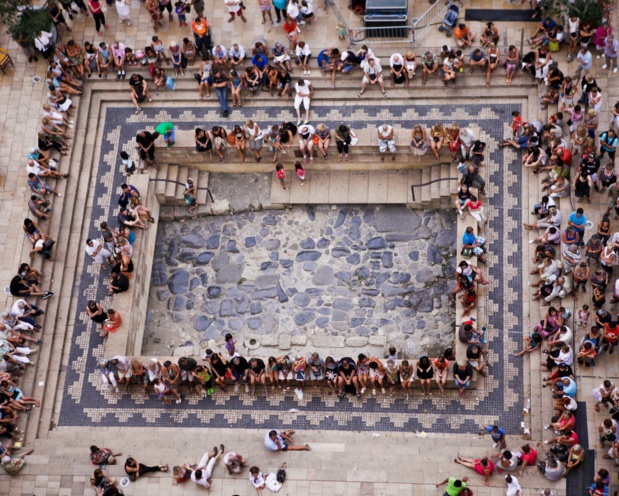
43 41
467 137
233 5
34 169
272 445
123 364
258 481
384 132
513 488
377 69
220 52
292 10
392 59
91 249
310 130
239 54
303 52
303 90
16 311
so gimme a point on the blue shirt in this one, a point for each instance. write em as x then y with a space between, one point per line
496 436
260 61
548 24
323 59
570 389
468 239
579 222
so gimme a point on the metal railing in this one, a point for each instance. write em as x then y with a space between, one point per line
388 35
394 34
430 182
431 16
208 191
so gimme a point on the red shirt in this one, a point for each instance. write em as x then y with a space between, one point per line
289 27
566 156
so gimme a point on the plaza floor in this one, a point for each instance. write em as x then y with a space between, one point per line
365 448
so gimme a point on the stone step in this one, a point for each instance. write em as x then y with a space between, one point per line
183 174
414 177
202 178
435 188
426 193
170 188
160 187
446 186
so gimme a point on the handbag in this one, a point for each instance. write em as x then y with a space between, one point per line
170 83
553 46
466 252
353 140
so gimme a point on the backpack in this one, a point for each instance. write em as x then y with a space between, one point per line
170 83
281 475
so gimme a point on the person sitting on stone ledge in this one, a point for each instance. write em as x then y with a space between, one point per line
119 283
472 272
123 368
475 359
139 373
377 374
463 283
107 371
257 374
239 370
469 301
128 218
347 380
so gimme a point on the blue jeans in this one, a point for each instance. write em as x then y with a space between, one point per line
459 383
222 94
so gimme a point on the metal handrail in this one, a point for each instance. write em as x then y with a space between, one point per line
413 186
208 191
430 16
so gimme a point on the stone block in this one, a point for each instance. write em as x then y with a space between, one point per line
269 340
252 342
298 340
284 342
378 340
328 341
356 341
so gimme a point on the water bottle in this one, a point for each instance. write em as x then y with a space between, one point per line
482 339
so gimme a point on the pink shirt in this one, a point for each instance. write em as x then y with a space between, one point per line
118 52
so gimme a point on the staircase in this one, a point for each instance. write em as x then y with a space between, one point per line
368 187
170 183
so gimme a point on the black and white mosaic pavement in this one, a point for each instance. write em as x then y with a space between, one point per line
498 398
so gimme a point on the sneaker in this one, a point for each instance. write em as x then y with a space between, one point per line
362 390
178 402
604 66
48 294
236 388
382 390
615 70
246 388
300 23
598 56
116 390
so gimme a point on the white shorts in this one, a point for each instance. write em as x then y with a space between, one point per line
285 375
384 144
298 100
186 376
124 374
282 58
376 373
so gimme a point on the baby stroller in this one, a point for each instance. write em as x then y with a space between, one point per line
451 20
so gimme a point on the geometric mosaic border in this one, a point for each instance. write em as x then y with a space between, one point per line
499 397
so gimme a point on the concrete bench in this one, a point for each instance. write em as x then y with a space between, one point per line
132 304
450 384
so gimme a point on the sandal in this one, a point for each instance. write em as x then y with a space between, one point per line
359 94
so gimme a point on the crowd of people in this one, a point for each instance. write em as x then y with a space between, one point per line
565 259
277 374
199 473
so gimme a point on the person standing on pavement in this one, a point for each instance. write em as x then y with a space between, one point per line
611 48
585 60
305 91
235 9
